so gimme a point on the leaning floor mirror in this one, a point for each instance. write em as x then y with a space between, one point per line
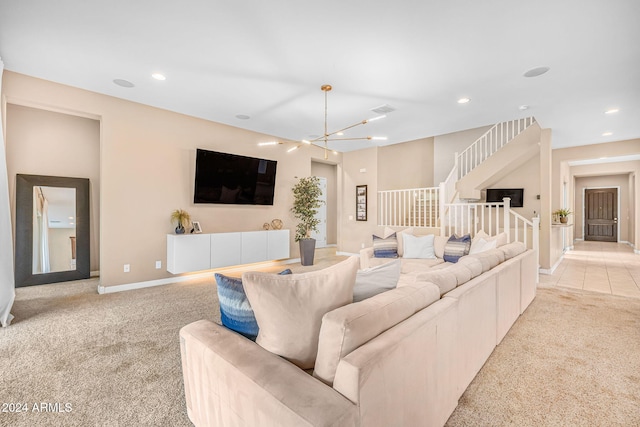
52 229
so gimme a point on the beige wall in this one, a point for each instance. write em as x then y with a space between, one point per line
527 176
445 147
354 234
406 165
41 142
147 161
329 171
60 248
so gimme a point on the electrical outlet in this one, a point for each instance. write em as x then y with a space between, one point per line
127 268
362 246
158 264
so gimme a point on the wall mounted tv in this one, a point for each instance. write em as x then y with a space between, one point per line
495 195
232 179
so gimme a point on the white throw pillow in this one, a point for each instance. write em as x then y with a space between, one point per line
482 245
289 308
375 280
501 238
420 247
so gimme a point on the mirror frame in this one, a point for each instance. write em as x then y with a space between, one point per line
24 230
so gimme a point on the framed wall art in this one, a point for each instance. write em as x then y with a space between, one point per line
361 202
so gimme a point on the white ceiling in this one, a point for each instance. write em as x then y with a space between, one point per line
268 59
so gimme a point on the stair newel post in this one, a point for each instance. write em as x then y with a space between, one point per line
507 217
536 238
442 199
456 165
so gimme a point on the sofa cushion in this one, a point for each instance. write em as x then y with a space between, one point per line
489 259
513 249
400 236
412 265
235 311
473 264
386 246
289 309
457 247
347 328
375 280
420 247
444 279
462 273
439 242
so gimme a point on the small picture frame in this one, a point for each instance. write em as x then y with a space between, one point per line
361 202
196 227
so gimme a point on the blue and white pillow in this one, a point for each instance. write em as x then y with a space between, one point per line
457 247
385 247
235 311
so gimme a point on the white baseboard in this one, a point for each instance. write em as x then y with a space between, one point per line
191 276
553 268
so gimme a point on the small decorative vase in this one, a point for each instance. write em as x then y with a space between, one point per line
179 229
563 219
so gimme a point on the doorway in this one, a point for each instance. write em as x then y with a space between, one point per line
321 215
601 214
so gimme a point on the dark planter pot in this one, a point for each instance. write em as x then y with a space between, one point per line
307 250
563 219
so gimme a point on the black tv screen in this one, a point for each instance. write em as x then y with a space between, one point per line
495 195
232 179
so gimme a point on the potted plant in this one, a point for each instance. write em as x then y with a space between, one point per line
306 201
563 215
182 219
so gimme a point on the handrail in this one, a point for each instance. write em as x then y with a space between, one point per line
490 142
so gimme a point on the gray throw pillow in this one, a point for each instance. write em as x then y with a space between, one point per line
375 280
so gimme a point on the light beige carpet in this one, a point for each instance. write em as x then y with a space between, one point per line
572 359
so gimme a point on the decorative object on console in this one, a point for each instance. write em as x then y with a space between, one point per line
182 219
266 226
457 247
331 136
276 224
386 246
563 215
361 203
306 201
235 311
196 227
375 280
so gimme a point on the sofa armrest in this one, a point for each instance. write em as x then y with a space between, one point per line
365 255
230 380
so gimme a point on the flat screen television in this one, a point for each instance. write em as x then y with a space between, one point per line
233 179
495 195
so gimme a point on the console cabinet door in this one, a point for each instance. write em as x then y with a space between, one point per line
277 244
254 246
188 252
226 249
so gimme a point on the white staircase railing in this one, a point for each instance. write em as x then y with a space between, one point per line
492 218
417 207
492 140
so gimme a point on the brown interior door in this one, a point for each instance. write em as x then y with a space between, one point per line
601 214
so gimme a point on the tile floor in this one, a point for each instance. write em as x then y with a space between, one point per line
611 268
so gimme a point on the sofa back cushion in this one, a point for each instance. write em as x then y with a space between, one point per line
347 328
473 264
444 279
512 249
439 242
489 259
289 309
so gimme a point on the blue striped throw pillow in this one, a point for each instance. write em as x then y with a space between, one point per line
385 247
457 247
235 311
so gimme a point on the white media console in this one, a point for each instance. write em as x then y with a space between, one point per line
195 252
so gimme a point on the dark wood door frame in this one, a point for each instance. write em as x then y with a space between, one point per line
601 213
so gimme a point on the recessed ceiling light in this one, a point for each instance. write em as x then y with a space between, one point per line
242 117
612 111
463 100
535 72
523 107
158 76
123 83
607 133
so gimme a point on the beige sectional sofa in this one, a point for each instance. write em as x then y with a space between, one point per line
402 357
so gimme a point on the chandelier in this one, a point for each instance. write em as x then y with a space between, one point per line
323 141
